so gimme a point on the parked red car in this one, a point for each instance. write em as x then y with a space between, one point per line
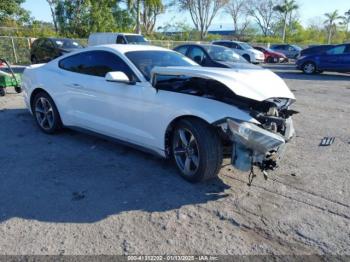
272 56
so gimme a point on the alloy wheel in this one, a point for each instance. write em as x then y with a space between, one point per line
309 68
44 113
186 152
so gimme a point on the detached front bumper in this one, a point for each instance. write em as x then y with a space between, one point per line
255 146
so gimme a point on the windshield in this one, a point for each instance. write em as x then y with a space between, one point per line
224 54
135 39
67 43
145 61
297 47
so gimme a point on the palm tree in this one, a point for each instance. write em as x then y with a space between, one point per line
346 21
137 5
331 23
287 7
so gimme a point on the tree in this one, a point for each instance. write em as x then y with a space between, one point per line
346 21
124 19
286 8
202 12
150 12
331 23
101 15
53 5
149 9
11 10
263 13
73 17
237 9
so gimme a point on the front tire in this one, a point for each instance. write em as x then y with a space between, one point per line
309 68
18 89
197 150
46 114
2 91
270 60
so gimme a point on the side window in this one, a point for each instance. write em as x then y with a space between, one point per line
48 44
39 42
96 63
121 39
223 44
182 49
337 50
239 47
347 50
197 55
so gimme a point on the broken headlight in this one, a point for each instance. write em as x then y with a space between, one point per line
254 137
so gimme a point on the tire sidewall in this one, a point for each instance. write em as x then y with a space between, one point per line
202 152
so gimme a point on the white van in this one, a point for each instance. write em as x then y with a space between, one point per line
115 38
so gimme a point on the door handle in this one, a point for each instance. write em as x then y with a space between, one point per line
74 85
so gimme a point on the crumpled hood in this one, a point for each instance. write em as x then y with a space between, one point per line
258 84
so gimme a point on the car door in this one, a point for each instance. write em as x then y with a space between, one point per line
111 108
237 48
333 59
345 60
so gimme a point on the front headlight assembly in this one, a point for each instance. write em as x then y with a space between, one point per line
252 145
254 137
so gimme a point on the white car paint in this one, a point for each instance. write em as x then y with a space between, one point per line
139 113
111 38
258 84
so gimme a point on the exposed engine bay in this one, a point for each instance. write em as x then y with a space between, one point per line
250 144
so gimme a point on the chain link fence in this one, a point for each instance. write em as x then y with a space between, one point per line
16 50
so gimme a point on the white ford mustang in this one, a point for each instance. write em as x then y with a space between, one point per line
161 101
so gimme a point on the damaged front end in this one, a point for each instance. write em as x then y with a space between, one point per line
260 145
260 94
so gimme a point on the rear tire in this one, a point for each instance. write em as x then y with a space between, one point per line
46 114
197 150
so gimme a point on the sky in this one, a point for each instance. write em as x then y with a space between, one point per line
309 10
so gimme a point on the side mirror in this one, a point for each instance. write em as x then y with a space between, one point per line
198 59
119 77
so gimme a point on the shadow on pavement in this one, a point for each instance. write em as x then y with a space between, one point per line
76 178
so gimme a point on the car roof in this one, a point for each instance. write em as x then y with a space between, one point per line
60 38
193 44
122 48
227 41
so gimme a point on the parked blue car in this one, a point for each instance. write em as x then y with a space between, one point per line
336 59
